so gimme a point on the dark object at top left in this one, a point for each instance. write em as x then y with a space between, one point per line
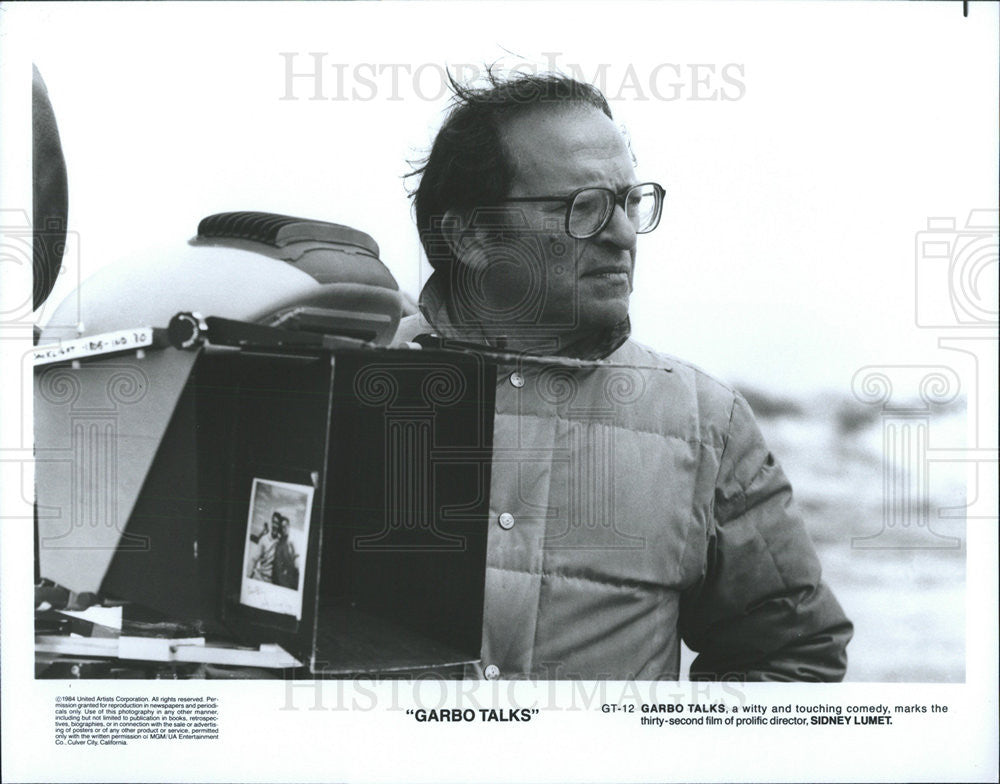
50 192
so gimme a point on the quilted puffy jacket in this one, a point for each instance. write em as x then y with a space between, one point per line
634 503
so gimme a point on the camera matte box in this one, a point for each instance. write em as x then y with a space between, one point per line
154 495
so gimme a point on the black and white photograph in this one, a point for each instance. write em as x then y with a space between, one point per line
277 537
610 376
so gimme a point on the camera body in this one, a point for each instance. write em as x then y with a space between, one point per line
163 464
255 267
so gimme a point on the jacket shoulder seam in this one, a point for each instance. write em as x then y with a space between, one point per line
675 360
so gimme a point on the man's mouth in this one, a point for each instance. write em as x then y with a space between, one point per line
608 273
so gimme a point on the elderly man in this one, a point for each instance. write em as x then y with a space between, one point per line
633 502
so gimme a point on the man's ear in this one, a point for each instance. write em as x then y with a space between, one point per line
465 241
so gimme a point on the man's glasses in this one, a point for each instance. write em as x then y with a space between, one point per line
589 210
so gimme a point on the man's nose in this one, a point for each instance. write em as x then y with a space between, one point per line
619 232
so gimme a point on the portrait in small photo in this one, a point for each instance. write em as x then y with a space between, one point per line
274 552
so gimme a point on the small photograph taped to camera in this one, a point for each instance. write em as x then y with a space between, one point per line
274 552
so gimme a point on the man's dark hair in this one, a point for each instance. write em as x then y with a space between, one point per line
467 166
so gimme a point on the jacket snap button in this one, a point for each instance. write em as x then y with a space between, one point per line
517 380
506 521
492 672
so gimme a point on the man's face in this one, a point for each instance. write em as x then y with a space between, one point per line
555 285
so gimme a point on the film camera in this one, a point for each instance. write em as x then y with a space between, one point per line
228 447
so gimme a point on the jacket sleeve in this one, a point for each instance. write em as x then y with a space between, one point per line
760 611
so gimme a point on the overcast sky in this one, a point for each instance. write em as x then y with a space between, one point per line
803 147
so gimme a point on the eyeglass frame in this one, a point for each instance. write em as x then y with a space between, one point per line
619 201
